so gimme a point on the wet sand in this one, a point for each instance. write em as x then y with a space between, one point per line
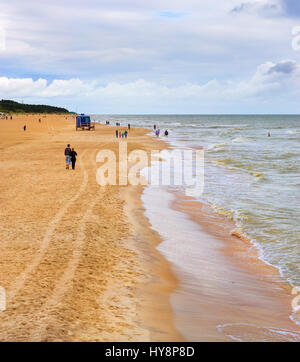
225 293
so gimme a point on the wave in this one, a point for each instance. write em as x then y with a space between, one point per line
219 126
233 126
223 211
245 332
217 150
218 147
241 140
289 155
287 168
237 232
169 124
226 161
258 175
294 131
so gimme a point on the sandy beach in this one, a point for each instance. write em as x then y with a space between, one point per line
79 262
69 258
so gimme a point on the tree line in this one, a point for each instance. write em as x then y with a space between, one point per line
7 106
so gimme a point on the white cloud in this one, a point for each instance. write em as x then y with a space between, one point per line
66 88
269 81
262 7
21 87
125 40
156 52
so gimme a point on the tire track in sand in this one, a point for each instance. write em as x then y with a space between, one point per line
19 283
43 317
36 321
46 314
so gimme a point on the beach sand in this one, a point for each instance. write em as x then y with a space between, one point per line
70 263
79 261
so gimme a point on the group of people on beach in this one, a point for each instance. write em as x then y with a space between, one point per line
157 131
5 116
120 134
70 155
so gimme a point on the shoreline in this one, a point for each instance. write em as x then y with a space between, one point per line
257 304
160 282
245 268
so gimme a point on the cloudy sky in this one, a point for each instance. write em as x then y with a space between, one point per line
152 56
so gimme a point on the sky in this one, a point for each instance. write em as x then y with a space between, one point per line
152 57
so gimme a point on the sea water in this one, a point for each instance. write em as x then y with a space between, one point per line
249 177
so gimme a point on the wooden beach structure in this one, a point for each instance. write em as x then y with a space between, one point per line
84 123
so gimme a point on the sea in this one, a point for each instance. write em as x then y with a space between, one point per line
250 177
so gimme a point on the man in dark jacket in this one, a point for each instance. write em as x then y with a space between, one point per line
73 158
68 156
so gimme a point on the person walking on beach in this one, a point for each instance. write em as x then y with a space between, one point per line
68 156
129 126
24 127
154 127
166 133
117 133
125 134
73 158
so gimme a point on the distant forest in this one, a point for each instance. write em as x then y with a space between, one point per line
7 106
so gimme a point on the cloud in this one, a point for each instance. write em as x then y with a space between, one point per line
289 8
286 67
189 40
144 49
263 7
21 87
242 8
270 80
